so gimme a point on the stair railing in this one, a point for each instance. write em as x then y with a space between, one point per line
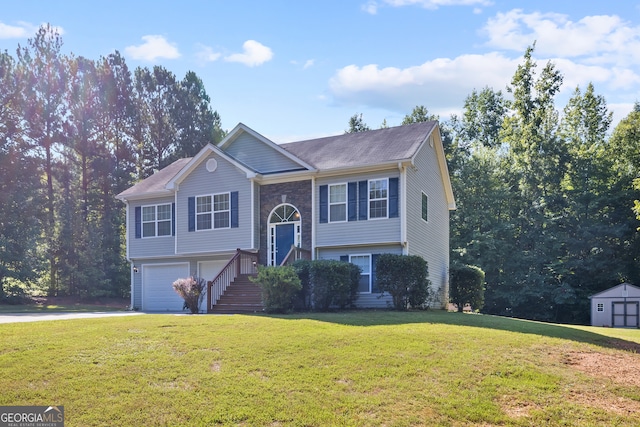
294 254
242 262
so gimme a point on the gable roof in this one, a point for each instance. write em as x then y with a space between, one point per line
363 148
271 148
616 291
155 185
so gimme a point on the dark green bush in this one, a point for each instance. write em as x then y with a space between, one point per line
280 286
405 278
333 283
466 286
303 298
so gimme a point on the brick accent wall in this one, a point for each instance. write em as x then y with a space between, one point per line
299 195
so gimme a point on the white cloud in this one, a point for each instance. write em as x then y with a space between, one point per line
23 30
254 53
206 54
154 47
372 6
309 63
603 39
444 82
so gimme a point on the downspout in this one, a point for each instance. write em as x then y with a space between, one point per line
175 220
253 214
126 242
403 211
313 218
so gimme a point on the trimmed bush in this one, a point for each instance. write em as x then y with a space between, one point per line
467 286
333 283
280 285
303 270
405 278
191 290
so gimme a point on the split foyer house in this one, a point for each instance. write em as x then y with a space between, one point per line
248 201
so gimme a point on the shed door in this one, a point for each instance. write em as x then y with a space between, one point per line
626 314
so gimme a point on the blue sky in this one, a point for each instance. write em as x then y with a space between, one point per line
294 70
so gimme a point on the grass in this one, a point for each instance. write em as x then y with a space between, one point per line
54 305
373 368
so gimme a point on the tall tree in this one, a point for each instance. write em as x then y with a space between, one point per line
357 124
196 123
20 225
156 91
419 114
43 69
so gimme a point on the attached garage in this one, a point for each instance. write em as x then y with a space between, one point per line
157 289
617 307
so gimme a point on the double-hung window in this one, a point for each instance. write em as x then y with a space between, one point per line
156 220
337 202
364 262
221 211
378 198
213 211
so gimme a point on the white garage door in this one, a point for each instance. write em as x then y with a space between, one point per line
157 289
208 270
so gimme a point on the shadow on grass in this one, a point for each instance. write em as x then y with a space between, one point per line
388 317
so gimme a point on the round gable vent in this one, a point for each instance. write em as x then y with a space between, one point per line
212 165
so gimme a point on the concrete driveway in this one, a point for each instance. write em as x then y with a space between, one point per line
36 317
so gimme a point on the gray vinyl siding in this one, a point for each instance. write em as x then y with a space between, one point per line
372 231
226 178
372 300
259 156
149 246
429 239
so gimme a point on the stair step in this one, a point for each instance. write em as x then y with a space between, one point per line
241 296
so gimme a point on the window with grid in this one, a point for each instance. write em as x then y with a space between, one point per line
378 198
337 202
156 220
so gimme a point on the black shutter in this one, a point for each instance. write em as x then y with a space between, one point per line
363 200
173 219
352 198
234 209
374 282
324 203
192 213
393 197
138 219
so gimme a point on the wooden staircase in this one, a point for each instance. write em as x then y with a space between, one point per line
241 296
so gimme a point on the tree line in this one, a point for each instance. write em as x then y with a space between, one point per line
74 132
545 196
546 199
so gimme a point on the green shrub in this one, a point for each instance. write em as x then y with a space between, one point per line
303 298
280 285
405 278
333 283
466 286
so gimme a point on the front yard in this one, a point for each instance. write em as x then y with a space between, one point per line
353 368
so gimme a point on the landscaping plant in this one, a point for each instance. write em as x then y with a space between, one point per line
191 289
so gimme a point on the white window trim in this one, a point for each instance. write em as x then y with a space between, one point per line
345 203
213 211
369 199
422 198
600 307
143 222
370 271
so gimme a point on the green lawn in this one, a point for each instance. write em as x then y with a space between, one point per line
358 368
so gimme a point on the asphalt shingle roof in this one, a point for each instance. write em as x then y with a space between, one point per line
332 152
362 148
156 182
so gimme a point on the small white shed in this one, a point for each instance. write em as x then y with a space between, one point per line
617 307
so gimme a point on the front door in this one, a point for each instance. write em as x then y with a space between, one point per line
285 234
284 231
